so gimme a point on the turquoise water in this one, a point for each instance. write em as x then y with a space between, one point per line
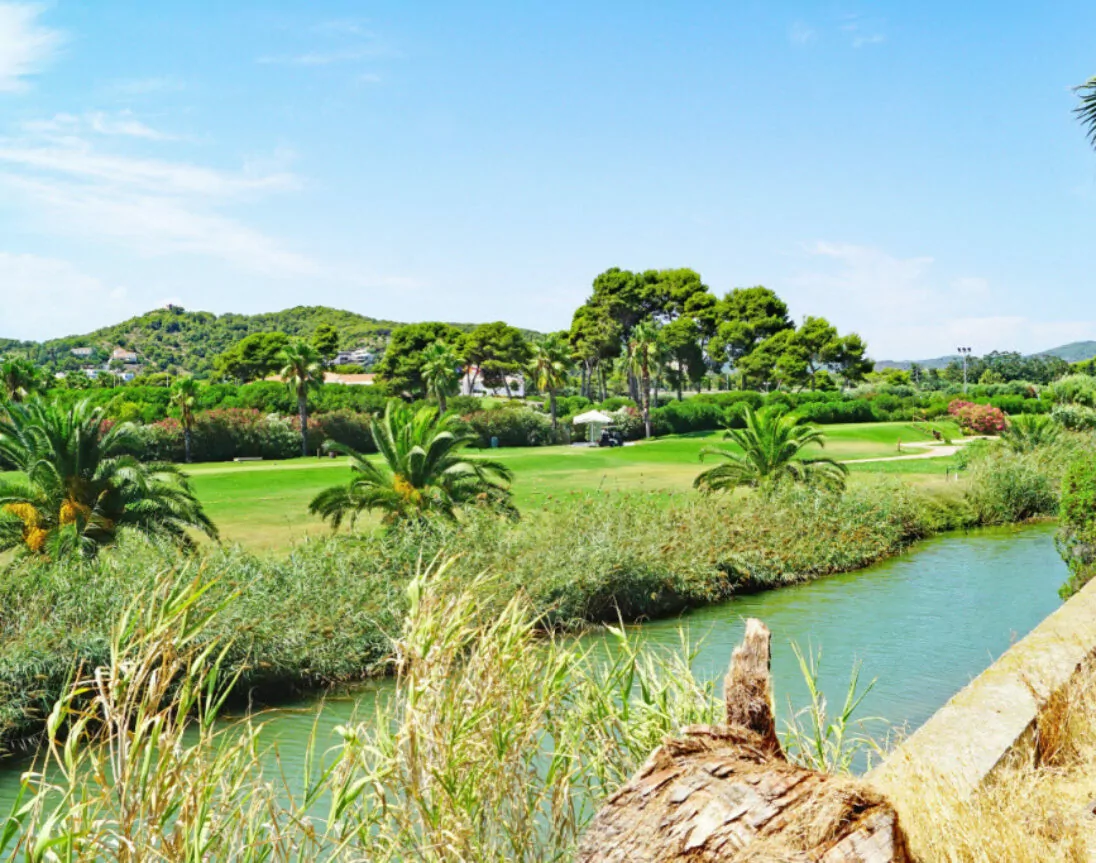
922 625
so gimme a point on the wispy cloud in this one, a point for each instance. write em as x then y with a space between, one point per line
907 310
122 123
328 58
151 206
863 32
801 34
26 45
342 27
65 299
342 41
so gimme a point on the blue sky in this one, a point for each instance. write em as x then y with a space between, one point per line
911 171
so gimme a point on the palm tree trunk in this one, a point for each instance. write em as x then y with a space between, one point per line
302 410
646 400
552 404
442 405
186 442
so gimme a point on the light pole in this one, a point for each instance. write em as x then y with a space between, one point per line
964 352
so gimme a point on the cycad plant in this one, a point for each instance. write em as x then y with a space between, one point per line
549 365
184 396
302 371
1029 432
19 378
76 491
440 372
770 450
422 472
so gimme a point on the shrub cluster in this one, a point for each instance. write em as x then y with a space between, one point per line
978 419
510 426
1076 538
222 435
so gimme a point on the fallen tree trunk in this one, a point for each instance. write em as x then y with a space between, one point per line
727 793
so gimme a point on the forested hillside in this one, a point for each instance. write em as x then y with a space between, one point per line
174 339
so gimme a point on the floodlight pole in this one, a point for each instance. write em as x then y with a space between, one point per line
964 352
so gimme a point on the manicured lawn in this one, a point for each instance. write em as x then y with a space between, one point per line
265 504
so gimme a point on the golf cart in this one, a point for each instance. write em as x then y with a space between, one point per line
611 437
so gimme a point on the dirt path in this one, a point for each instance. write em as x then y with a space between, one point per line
932 450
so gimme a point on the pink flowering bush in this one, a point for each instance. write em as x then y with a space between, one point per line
978 419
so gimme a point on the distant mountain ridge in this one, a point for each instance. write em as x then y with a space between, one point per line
176 339
1074 352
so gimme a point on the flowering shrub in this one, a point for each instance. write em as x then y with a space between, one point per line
978 419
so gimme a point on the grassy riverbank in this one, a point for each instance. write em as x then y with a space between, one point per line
326 611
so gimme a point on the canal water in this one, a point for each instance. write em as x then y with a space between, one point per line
921 626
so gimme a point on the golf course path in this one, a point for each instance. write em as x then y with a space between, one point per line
932 450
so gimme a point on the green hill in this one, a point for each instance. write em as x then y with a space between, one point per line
176 339
1074 352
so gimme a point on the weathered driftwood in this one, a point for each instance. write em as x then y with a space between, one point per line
727 793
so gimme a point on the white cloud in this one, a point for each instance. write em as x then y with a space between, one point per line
324 58
906 310
801 34
46 297
863 32
149 206
84 163
122 123
868 39
342 27
25 45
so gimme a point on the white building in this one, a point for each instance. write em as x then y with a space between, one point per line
358 357
82 352
471 384
128 357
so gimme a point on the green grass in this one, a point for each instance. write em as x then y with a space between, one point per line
264 505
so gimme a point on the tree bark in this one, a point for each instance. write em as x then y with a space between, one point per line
186 443
727 793
646 400
442 405
302 410
552 404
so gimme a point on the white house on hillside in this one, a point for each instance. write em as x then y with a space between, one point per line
358 356
124 355
471 384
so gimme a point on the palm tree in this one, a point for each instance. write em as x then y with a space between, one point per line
77 491
1028 432
440 371
770 450
302 371
184 396
548 367
422 472
20 378
644 349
